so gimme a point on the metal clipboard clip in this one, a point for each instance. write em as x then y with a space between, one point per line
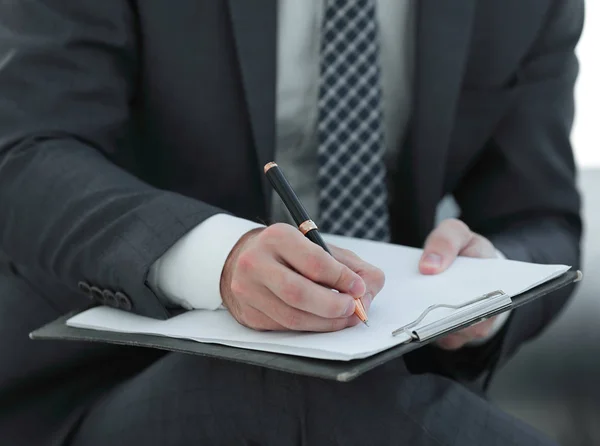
409 328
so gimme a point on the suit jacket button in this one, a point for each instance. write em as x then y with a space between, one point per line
84 287
124 301
97 295
110 299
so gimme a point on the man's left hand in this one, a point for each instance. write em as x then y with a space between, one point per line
453 238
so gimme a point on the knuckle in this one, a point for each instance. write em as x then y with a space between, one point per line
238 288
315 266
247 261
345 275
340 278
291 292
276 231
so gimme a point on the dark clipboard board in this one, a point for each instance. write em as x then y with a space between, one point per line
333 370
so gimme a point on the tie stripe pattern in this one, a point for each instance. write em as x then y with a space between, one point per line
351 175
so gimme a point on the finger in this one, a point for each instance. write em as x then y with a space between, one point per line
476 331
463 337
292 318
452 342
373 277
479 247
443 245
312 261
482 329
257 320
303 294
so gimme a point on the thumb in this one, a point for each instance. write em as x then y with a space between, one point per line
443 246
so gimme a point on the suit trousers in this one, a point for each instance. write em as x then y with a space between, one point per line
191 400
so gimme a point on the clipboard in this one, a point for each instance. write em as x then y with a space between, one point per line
342 371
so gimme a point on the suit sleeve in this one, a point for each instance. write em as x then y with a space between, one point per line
522 193
68 71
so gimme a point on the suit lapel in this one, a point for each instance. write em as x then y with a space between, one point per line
443 34
254 24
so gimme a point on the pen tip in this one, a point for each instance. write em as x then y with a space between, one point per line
366 323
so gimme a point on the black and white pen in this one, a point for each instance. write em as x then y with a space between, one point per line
305 224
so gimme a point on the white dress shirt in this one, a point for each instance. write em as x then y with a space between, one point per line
188 274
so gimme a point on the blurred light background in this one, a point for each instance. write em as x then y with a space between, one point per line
553 383
587 93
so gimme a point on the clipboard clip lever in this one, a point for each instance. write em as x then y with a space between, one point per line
408 328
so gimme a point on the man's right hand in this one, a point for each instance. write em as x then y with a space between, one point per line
277 279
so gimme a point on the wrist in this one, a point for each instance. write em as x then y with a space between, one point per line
229 266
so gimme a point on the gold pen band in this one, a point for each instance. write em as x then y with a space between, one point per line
269 165
307 226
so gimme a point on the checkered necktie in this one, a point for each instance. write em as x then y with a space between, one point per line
351 175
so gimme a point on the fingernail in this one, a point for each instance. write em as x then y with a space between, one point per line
434 260
350 309
357 288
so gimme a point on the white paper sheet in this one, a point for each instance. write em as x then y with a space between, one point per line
405 296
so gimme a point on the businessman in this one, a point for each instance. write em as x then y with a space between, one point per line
132 140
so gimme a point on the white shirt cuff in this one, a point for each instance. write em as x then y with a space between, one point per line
189 273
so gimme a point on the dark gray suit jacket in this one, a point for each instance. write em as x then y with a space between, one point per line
123 124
